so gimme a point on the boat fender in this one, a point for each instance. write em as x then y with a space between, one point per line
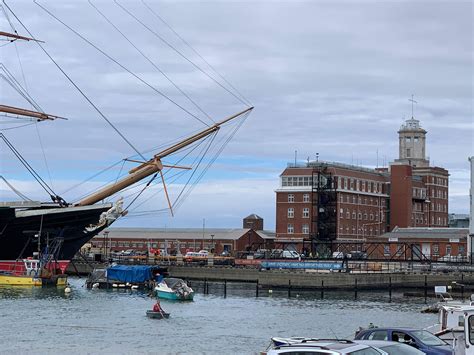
121 285
95 285
67 290
114 285
270 291
134 287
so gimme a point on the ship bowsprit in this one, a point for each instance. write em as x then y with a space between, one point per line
20 227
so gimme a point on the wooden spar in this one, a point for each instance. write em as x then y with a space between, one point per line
153 166
23 112
15 36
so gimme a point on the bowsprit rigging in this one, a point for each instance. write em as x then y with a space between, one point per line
186 159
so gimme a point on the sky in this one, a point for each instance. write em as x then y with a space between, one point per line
332 78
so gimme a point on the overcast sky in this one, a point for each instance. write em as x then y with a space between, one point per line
329 77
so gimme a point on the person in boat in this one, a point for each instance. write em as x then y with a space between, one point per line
157 307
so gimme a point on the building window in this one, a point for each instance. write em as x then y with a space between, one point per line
415 139
408 139
461 250
448 249
408 153
291 212
354 199
360 215
365 216
341 212
305 212
435 249
345 183
363 185
291 198
352 184
348 214
354 216
371 216
305 229
386 250
306 198
290 229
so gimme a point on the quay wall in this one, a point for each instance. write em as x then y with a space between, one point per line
307 280
312 280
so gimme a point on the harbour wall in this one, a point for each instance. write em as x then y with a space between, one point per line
308 279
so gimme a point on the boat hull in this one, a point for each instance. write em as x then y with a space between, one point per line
173 296
14 280
157 315
74 225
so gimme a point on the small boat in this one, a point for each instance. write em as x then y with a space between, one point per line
157 315
29 272
174 289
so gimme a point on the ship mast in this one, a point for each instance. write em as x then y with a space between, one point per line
40 116
154 165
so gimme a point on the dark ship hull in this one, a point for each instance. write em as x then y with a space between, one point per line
20 228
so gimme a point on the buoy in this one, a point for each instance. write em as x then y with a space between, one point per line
67 290
270 291
114 285
134 287
121 285
95 285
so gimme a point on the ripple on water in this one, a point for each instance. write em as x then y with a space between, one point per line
114 321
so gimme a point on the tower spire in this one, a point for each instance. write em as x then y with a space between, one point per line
412 102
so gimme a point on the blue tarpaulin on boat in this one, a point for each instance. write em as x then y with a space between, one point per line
132 274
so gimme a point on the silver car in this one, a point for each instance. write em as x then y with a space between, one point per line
302 346
391 347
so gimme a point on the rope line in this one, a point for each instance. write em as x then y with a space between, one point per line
178 52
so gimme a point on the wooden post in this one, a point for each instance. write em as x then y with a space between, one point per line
355 288
225 288
256 290
289 288
426 287
322 289
390 288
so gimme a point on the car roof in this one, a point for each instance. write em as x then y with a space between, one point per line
403 329
329 344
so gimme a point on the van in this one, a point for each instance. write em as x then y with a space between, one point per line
290 254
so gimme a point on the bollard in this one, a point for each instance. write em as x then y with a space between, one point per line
225 288
256 290
322 289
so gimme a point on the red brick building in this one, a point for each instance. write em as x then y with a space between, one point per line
329 201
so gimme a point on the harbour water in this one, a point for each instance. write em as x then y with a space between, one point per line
46 321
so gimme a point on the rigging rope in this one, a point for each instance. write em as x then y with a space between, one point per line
197 53
56 198
75 85
15 190
177 51
153 64
118 63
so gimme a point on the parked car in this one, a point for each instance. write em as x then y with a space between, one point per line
357 255
321 346
290 254
420 339
391 347
338 255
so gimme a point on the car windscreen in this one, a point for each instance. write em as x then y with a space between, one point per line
366 351
428 338
400 349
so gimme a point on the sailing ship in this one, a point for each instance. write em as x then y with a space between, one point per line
24 225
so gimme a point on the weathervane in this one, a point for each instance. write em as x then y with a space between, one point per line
412 102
